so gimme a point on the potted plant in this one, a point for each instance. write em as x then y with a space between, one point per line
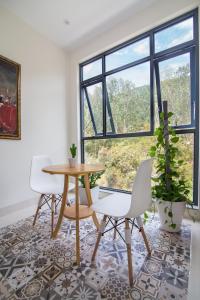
171 189
94 188
72 160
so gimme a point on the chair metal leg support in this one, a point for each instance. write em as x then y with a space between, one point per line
128 245
145 240
115 231
38 208
101 231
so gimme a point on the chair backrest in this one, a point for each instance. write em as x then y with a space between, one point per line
39 179
141 193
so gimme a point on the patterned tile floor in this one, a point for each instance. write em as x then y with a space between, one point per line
32 266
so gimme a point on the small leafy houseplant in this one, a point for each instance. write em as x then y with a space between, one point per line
170 189
94 188
73 150
72 159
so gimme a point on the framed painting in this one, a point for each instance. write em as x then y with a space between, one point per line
10 110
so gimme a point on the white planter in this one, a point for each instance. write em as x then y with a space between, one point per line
177 209
94 194
72 162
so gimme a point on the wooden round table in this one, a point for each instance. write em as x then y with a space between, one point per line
76 211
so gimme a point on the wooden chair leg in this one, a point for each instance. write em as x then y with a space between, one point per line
55 207
115 231
95 220
141 229
101 230
128 245
38 209
145 240
52 213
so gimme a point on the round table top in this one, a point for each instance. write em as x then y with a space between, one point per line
80 169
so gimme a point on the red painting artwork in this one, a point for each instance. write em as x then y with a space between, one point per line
9 99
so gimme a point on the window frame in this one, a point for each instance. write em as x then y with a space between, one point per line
154 59
189 50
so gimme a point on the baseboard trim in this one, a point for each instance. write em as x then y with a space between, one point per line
7 210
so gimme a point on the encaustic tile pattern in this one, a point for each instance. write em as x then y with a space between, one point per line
32 266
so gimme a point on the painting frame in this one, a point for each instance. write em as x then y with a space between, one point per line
13 134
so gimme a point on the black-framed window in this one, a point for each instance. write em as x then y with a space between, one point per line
121 92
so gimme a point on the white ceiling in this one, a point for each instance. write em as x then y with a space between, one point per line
87 17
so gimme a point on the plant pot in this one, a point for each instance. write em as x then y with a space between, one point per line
177 209
94 194
72 162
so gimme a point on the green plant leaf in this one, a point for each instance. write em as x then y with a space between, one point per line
170 114
175 139
162 115
170 214
173 225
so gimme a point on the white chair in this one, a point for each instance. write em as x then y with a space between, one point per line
125 208
48 186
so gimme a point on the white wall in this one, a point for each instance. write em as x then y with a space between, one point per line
156 14
44 79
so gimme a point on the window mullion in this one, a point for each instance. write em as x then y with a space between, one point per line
152 109
104 98
192 86
110 113
158 88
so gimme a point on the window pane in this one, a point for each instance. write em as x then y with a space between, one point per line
175 87
121 158
128 54
174 35
93 110
186 146
88 127
129 96
92 69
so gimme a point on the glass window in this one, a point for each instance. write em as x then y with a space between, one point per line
129 99
121 158
128 54
175 87
125 97
93 110
92 69
174 35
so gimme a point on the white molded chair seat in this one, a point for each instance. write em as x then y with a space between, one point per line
48 186
116 205
52 188
127 207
